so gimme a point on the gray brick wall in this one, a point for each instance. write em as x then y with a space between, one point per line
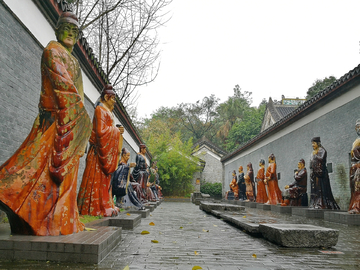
213 169
337 132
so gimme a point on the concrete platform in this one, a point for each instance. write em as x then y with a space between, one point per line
82 247
299 235
342 217
281 209
124 221
238 221
144 213
208 206
309 213
150 207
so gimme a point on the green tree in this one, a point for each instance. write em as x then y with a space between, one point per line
319 85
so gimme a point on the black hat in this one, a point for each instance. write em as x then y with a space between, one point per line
315 139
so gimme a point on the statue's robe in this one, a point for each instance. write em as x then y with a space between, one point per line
95 194
261 190
38 183
242 186
298 188
274 192
321 194
354 207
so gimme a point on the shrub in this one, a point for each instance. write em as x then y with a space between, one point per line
213 189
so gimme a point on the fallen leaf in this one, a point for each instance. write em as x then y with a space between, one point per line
126 268
196 253
223 230
254 256
205 230
196 267
154 241
181 227
244 216
128 214
152 224
174 242
144 232
89 229
215 225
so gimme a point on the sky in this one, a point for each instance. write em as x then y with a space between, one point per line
267 47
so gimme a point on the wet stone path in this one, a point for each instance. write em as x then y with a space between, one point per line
188 237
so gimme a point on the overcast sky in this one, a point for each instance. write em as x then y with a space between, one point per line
270 48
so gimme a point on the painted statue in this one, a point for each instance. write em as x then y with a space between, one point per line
261 189
38 183
233 187
295 193
95 194
321 194
241 184
122 188
354 207
140 173
271 181
249 182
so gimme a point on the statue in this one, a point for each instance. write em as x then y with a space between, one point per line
140 173
157 183
249 182
321 194
38 183
274 192
354 207
233 187
241 184
295 194
261 190
122 188
95 194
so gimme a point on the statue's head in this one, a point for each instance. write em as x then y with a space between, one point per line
108 96
316 143
272 158
241 169
249 166
234 173
67 30
142 148
301 164
357 127
262 163
125 154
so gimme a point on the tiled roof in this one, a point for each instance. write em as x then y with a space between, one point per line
215 148
330 92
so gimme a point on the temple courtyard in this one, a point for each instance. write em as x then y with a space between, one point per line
181 236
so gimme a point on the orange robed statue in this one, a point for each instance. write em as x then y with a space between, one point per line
274 192
95 195
261 189
38 183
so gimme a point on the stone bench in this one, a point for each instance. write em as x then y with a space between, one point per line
124 221
309 212
208 206
144 213
342 217
299 235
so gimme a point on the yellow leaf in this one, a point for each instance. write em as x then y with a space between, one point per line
152 224
144 232
254 256
196 267
181 227
154 241
126 268
174 242
205 230
128 214
196 253
89 229
244 216
215 225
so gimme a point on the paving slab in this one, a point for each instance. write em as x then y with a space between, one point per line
299 235
208 206
144 213
342 217
83 247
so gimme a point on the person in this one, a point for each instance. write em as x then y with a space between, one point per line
140 173
233 187
261 189
121 186
354 207
274 192
38 183
321 195
95 194
241 184
249 180
295 193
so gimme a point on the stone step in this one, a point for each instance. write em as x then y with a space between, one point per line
208 206
299 235
82 247
127 222
342 217
144 213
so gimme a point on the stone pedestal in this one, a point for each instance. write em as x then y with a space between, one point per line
144 213
342 217
299 235
281 209
309 213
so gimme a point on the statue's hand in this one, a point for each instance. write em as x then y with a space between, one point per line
121 129
132 164
287 186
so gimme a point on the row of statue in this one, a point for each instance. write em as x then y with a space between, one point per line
38 184
267 190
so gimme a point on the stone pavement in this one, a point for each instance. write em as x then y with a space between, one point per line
188 236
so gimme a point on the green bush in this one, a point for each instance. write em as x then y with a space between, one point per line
213 189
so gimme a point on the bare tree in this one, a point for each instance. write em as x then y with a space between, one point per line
123 34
